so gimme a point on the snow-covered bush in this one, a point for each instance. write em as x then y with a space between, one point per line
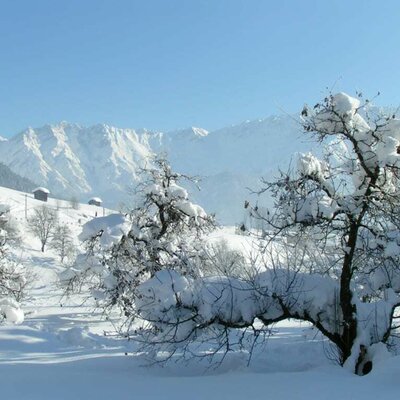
163 231
12 279
334 255
9 225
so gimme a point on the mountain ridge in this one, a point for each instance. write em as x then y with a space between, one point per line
74 160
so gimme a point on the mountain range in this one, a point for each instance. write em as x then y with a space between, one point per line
77 161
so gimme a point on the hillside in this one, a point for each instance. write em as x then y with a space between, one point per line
76 161
65 349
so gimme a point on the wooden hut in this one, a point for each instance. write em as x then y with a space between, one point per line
95 201
41 193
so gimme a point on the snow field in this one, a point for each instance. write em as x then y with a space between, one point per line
64 350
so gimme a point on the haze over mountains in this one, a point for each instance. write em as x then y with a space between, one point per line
100 160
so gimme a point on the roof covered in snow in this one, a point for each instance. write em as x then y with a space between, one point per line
96 199
41 189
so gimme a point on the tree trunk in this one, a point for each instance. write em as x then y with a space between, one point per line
363 365
349 310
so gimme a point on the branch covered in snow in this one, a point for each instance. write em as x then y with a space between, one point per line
163 231
181 308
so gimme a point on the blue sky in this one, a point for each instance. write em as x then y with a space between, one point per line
170 64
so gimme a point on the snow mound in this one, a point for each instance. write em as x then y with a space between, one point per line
345 104
11 311
110 229
77 336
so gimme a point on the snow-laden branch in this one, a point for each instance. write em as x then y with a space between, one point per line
181 307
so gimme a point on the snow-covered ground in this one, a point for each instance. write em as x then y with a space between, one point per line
65 350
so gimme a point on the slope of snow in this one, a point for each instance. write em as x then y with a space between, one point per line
65 350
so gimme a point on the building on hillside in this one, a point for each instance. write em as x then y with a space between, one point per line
95 201
41 193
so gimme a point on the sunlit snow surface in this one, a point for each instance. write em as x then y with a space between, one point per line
70 352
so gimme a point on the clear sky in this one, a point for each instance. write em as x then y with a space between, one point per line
166 64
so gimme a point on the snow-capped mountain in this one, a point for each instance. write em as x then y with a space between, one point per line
77 161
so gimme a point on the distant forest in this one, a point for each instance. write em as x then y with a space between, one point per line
11 180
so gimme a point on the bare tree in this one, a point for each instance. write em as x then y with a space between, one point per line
74 203
62 242
219 259
43 223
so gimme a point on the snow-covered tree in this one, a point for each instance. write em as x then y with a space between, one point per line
9 225
12 279
334 247
163 231
42 224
